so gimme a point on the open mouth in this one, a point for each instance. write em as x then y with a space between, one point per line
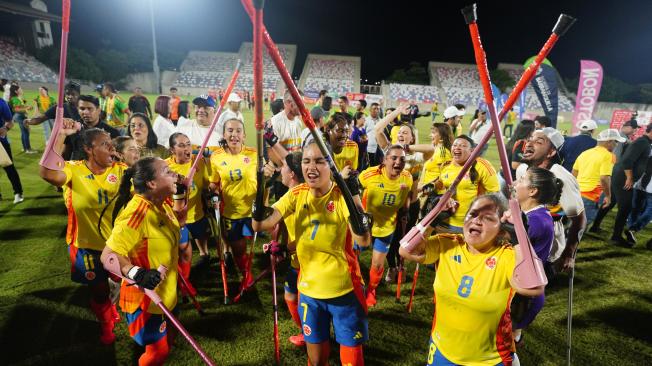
313 175
528 152
474 231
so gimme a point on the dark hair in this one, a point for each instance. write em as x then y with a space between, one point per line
327 103
293 160
335 119
499 202
152 140
543 120
323 92
174 88
72 86
548 186
467 138
276 106
363 103
89 99
110 86
172 142
375 104
523 130
87 138
475 114
358 115
229 120
460 106
120 141
394 147
446 134
13 91
45 88
162 105
138 175
344 98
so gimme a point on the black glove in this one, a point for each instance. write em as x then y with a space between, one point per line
353 183
262 213
362 226
145 278
269 136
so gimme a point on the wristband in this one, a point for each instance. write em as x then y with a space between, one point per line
132 272
178 197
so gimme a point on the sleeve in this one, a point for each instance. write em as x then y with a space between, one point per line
124 238
633 154
215 171
67 170
5 111
576 164
571 199
364 180
51 113
286 205
356 155
121 104
355 135
131 103
489 178
607 166
433 249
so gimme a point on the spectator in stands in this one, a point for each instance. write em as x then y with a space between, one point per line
516 145
232 112
114 107
374 154
72 91
20 108
88 107
138 103
593 168
140 128
6 124
574 146
197 129
541 122
453 117
626 130
174 104
343 103
479 127
509 123
359 136
43 102
163 127
626 172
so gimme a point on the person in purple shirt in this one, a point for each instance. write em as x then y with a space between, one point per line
359 135
534 190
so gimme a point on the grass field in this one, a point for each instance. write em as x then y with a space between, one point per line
44 317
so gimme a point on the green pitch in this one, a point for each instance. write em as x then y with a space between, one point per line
45 318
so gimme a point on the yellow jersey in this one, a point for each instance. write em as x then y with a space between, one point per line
472 323
289 225
85 196
432 167
393 134
383 197
591 165
200 182
467 191
329 267
149 236
348 156
236 175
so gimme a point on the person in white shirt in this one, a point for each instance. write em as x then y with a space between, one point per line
163 126
479 128
197 129
233 112
375 155
287 126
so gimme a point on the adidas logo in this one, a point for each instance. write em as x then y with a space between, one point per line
357 335
223 163
381 185
90 176
457 258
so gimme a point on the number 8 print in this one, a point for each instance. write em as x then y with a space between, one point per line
465 286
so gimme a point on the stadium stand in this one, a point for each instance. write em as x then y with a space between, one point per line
271 77
414 93
18 65
337 74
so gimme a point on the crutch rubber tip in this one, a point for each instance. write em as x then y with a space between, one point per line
564 22
470 13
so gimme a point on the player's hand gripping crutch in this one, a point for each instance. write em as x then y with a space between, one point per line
113 265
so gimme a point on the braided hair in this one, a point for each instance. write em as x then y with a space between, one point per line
138 176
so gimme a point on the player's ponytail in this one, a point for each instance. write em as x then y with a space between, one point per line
124 193
548 186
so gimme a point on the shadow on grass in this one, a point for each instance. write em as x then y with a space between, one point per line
38 335
20 234
76 295
628 320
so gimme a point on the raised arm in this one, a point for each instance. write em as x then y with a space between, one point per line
381 139
58 177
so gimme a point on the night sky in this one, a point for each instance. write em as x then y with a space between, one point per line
387 34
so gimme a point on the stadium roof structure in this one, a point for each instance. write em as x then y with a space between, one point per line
18 9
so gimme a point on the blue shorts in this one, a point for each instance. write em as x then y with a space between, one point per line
350 323
198 229
435 358
146 328
85 266
291 281
236 229
382 244
185 235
